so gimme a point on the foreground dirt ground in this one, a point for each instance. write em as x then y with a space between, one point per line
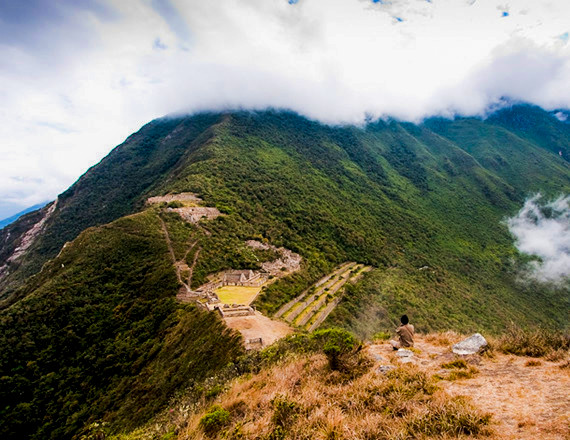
527 401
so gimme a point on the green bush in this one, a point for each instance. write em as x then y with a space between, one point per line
175 204
214 420
284 411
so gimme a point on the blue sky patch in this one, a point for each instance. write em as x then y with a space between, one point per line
159 45
293 2
173 18
505 14
564 37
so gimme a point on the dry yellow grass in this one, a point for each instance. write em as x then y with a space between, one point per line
237 294
444 339
303 399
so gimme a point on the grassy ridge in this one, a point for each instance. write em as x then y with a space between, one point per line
100 335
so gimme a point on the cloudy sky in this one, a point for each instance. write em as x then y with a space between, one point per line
78 76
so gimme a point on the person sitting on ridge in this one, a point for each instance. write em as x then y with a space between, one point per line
405 334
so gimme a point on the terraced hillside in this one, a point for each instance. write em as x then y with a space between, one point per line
312 307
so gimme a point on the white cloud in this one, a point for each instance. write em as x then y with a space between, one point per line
543 230
67 101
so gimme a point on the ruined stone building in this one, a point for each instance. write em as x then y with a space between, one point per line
242 278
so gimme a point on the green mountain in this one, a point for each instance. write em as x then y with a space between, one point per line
91 329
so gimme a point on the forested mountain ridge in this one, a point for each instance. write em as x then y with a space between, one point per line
424 204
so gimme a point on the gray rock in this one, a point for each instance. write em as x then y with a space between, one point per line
377 357
385 368
407 360
473 344
403 353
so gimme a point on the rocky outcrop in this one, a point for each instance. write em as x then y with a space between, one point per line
28 238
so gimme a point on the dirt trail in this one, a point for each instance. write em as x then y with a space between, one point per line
527 402
180 265
194 261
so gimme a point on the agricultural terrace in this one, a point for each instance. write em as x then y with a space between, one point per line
312 307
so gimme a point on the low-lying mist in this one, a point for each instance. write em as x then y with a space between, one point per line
542 229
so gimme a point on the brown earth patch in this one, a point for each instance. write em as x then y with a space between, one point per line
259 326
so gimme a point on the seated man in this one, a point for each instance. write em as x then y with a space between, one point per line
405 334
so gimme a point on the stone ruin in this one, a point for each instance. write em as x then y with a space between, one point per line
182 197
243 278
254 344
234 310
190 212
193 214
288 260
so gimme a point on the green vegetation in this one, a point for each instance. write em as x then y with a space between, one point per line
214 420
397 196
97 335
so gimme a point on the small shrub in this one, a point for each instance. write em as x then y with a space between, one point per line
214 391
532 363
337 343
278 433
214 420
236 433
175 204
284 411
333 353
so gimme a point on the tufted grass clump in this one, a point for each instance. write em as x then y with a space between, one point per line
452 417
458 363
540 342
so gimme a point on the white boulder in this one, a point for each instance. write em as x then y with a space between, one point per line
473 344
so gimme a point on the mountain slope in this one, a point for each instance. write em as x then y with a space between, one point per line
92 330
99 334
